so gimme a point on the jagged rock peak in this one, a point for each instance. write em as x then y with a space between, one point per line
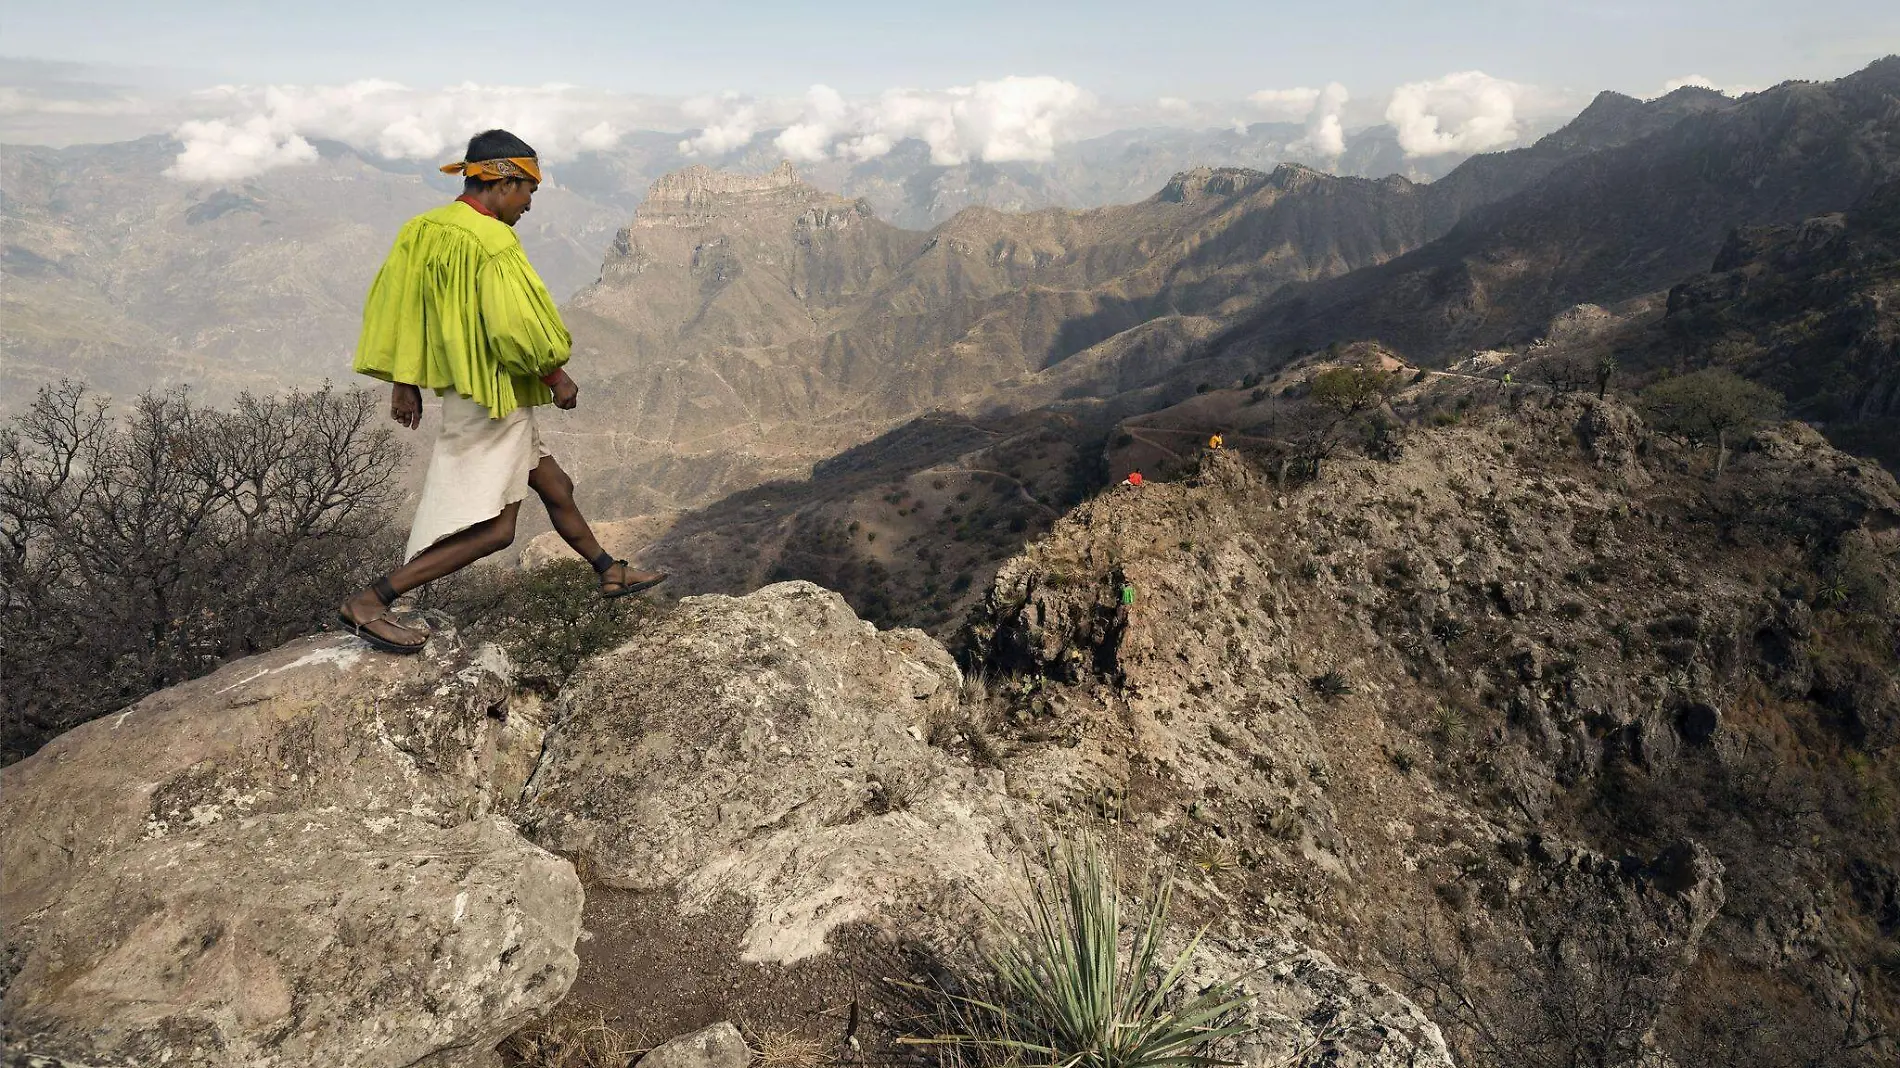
699 194
1210 181
1608 103
693 185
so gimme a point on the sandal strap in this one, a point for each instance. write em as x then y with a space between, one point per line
384 592
389 619
604 562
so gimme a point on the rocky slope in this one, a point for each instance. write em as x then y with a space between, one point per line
1806 308
1524 738
1386 701
311 856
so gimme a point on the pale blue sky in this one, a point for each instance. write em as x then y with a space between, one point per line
1116 48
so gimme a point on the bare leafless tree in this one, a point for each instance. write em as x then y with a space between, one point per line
1580 985
144 550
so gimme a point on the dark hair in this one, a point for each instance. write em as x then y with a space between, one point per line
492 144
496 144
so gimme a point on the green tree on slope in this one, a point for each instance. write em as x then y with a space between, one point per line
1711 405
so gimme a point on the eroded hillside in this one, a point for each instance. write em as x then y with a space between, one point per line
1518 730
1533 676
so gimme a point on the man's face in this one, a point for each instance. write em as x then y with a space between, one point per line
515 198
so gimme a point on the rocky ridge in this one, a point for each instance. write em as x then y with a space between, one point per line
311 856
1490 679
1653 205
1525 685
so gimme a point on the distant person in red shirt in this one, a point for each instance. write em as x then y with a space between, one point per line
1134 479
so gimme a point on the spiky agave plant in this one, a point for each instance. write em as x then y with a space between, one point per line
1063 991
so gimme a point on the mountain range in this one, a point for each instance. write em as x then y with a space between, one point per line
116 273
766 355
782 370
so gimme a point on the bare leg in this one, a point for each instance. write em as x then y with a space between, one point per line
449 555
557 492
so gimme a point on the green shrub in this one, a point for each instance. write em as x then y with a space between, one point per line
1331 684
551 619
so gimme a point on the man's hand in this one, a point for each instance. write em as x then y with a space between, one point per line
405 405
566 393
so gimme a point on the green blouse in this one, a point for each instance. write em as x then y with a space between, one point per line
456 306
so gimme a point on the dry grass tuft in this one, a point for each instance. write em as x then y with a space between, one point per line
791 1049
571 1040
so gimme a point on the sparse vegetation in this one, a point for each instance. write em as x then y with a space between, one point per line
1331 684
1213 855
1060 988
550 619
791 1049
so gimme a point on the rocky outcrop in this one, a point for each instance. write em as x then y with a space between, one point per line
294 860
775 747
718 1046
1392 686
1305 1009
310 857
323 937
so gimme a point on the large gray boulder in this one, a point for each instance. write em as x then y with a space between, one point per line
773 747
282 941
321 721
290 861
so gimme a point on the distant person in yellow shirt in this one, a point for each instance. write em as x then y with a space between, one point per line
1215 441
456 308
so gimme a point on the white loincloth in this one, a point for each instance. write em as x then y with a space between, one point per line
480 467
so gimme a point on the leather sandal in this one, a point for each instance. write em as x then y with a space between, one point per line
389 638
605 562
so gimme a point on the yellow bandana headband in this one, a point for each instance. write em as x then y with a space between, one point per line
494 170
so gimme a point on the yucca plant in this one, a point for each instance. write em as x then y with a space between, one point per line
1063 990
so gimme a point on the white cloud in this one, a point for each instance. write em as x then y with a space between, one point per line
1325 134
1699 81
1013 118
251 129
1284 105
1469 111
826 112
219 151
1318 108
726 122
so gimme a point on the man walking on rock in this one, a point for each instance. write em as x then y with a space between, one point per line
456 308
